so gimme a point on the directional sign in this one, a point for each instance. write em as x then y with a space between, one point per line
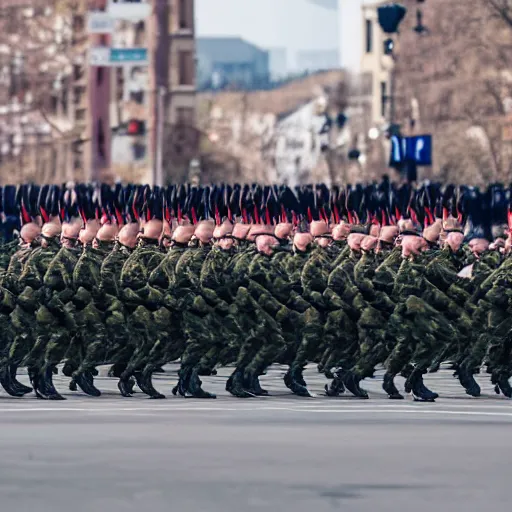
124 56
100 23
103 56
129 9
419 149
99 56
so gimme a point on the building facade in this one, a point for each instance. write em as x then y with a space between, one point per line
226 62
375 63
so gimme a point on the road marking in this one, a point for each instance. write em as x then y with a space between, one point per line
341 410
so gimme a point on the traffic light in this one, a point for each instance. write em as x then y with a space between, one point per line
136 127
420 28
390 16
341 120
389 46
354 154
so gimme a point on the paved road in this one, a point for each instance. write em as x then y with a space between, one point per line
278 453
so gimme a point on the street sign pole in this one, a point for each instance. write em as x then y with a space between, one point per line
98 161
159 55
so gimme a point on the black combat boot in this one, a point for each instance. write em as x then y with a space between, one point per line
388 385
503 385
468 381
194 387
351 382
8 385
45 385
21 388
426 391
125 386
235 385
144 381
415 384
336 388
256 388
85 381
287 379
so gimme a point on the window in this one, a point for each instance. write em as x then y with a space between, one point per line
369 36
185 116
383 98
186 68
186 14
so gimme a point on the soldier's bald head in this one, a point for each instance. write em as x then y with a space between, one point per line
29 232
153 229
107 232
128 234
204 231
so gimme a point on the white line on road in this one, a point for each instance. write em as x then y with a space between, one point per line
341 410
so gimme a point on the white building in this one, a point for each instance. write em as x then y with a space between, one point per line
375 62
298 143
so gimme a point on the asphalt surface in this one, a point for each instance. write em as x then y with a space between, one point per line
277 453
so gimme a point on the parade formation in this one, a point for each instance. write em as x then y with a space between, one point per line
350 278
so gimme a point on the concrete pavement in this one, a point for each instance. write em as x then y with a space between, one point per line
277 453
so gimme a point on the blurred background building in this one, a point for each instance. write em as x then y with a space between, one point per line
231 62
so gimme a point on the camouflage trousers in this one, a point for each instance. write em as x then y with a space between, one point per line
420 331
486 334
169 342
141 334
91 338
375 345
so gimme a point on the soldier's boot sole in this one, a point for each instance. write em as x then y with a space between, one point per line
85 382
388 385
351 383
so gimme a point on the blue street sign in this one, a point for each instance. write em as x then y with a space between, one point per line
417 149
104 56
398 151
128 56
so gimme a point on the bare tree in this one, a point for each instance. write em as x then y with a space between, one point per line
459 74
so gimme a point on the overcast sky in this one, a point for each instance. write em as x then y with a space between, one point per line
291 24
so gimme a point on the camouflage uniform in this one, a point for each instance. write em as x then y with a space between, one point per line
417 324
141 300
118 343
59 279
344 302
493 309
170 343
52 322
375 344
214 281
269 287
197 320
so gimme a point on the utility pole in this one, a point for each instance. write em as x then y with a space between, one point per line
159 57
97 161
